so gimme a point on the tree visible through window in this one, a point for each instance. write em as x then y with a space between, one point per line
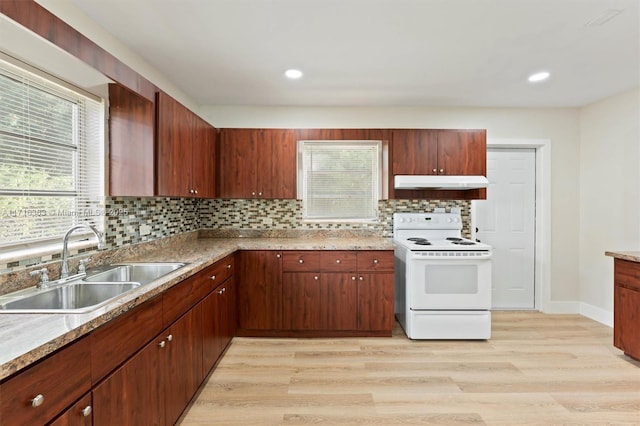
51 158
339 180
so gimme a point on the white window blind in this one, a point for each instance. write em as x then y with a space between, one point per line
339 180
51 158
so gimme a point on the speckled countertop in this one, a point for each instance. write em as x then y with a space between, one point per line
27 338
632 256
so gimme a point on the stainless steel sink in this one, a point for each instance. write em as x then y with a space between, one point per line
142 273
74 297
85 293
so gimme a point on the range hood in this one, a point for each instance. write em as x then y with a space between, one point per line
440 182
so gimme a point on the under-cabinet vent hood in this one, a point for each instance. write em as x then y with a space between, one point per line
440 182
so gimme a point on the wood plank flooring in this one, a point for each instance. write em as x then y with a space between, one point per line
537 369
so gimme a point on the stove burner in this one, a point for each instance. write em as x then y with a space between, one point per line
454 239
420 241
463 243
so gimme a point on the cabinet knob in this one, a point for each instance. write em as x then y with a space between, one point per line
253 194
301 261
259 194
316 277
353 278
37 401
375 261
86 411
278 255
170 337
441 170
195 191
338 261
221 291
191 191
162 344
229 266
213 277
361 278
435 170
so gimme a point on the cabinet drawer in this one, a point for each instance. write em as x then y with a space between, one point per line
220 271
338 261
627 274
295 261
58 381
375 260
120 338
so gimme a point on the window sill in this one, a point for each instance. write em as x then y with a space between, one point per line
44 252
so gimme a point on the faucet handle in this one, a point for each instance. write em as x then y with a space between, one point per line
82 269
44 276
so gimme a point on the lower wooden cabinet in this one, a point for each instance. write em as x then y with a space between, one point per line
259 274
626 307
376 298
220 322
79 414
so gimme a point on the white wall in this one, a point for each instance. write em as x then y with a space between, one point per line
609 195
558 125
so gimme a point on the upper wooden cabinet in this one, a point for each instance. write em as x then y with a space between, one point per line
131 147
439 152
185 151
257 163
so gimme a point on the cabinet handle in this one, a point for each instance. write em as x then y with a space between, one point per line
170 337
338 261
195 191
316 278
213 277
86 411
260 194
162 344
375 261
435 170
222 290
37 401
278 255
229 266
353 278
361 278
441 170
253 194
191 191
301 261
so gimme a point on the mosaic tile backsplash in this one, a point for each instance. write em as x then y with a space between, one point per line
136 220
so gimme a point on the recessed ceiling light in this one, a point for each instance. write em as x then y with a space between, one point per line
539 76
293 74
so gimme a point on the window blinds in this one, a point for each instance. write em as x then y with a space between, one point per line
340 180
51 158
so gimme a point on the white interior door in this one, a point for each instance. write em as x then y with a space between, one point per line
506 221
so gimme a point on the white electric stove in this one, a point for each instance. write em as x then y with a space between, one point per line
443 281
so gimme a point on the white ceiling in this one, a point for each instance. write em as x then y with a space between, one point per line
382 52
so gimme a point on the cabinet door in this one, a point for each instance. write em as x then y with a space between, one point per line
626 320
182 363
175 125
219 322
338 301
204 159
238 153
132 395
131 146
276 163
414 152
302 306
462 152
79 414
259 289
376 302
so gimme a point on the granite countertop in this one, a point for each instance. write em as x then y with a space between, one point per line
27 338
632 256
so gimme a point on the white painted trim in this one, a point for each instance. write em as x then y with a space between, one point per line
542 284
597 314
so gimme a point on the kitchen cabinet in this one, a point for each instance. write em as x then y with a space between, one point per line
219 309
259 281
79 414
438 152
257 163
185 151
319 293
131 144
626 307
43 391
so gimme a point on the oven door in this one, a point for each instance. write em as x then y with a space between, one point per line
452 283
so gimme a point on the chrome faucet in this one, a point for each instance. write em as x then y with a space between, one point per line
64 270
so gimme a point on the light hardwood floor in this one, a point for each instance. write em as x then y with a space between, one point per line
537 369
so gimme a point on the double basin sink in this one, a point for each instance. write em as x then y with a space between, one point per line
86 293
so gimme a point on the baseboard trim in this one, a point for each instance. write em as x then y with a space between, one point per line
597 314
561 308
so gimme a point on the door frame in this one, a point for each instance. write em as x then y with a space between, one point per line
542 265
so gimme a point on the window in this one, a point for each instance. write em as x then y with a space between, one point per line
51 158
339 180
